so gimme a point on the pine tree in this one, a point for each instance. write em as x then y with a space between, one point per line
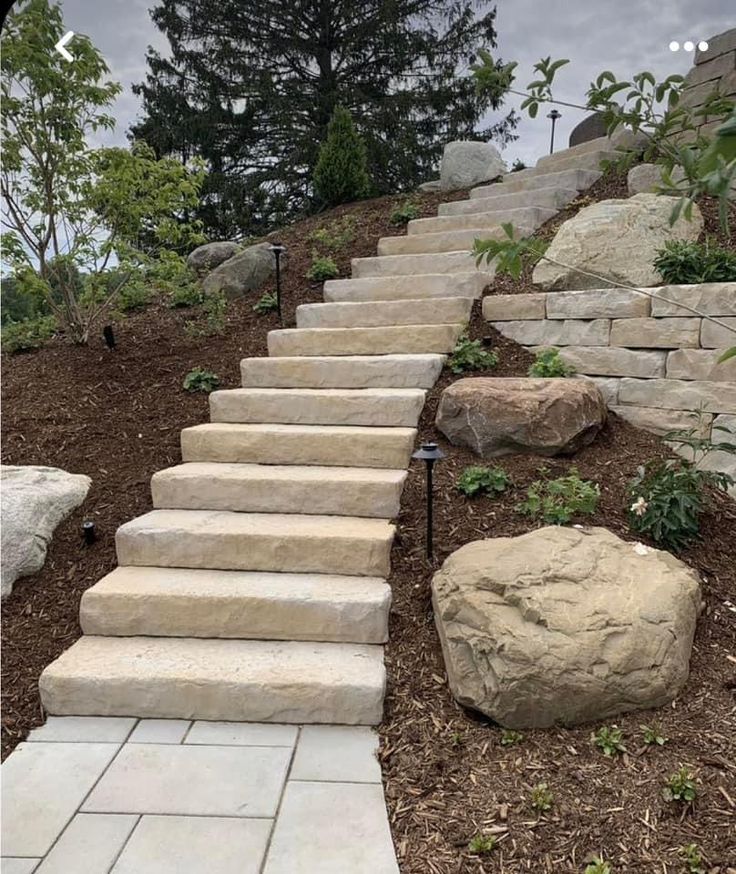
341 175
251 85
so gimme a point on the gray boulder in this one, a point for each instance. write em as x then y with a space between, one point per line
210 255
245 272
466 163
647 178
34 501
564 625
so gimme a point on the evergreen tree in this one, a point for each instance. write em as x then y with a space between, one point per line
251 85
340 175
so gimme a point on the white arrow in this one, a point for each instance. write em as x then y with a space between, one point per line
68 56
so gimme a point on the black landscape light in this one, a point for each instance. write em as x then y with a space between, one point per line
278 250
429 453
109 336
554 115
89 533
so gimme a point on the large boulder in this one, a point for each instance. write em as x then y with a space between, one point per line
34 500
210 255
647 178
245 272
615 239
564 625
506 415
466 163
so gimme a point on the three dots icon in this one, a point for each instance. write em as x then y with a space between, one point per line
688 46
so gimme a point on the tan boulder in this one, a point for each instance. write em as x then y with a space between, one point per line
506 415
564 625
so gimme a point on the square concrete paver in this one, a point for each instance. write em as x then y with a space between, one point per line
159 731
83 729
242 734
43 784
197 780
90 843
336 753
332 828
193 845
18 866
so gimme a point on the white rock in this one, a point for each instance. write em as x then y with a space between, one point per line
466 163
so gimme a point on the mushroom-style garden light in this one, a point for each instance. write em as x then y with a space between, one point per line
429 453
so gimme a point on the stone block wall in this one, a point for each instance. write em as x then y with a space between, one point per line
714 69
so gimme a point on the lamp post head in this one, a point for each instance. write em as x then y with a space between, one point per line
428 452
554 115
278 249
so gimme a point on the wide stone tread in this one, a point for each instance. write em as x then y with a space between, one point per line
529 216
379 407
411 265
547 198
577 179
347 371
446 241
185 602
560 161
376 314
333 445
283 543
265 488
388 340
411 287
236 680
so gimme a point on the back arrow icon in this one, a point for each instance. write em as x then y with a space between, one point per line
68 56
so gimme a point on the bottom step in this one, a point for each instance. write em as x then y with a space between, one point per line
237 680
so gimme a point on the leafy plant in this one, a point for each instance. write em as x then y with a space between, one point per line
134 296
322 268
470 355
28 334
549 364
482 844
609 740
681 787
336 235
457 739
341 173
518 165
683 262
692 857
214 309
403 214
598 866
653 735
200 379
510 738
266 303
541 798
557 501
477 480
511 254
187 295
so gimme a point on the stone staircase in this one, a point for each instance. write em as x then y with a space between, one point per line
255 590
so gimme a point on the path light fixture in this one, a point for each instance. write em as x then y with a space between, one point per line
429 453
109 336
89 533
278 250
554 115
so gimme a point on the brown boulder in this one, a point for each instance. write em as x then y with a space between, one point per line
502 416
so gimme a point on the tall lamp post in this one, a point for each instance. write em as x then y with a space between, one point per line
554 115
278 250
429 453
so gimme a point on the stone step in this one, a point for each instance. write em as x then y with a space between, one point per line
406 339
223 540
411 265
373 314
528 216
547 198
332 445
347 371
389 407
597 144
577 179
561 161
234 680
185 602
268 488
443 241
410 287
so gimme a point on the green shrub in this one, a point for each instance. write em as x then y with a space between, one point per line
610 741
341 173
200 379
518 165
322 268
477 480
134 296
266 303
482 844
681 786
510 738
403 214
27 335
336 235
549 364
187 295
557 501
686 263
470 355
541 798
18 304
597 866
692 857
653 735
214 310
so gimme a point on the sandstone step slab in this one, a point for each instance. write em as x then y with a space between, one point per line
527 216
234 680
577 179
222 540
332 445
409 287
184 602
547 198
445 241
391 340
348 371
549 332
376 407
613 361
416 265
581 148
265 488
560 161
376 314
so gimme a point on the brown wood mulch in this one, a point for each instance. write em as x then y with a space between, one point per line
117 416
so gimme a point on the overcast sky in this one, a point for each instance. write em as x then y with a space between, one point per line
625 36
